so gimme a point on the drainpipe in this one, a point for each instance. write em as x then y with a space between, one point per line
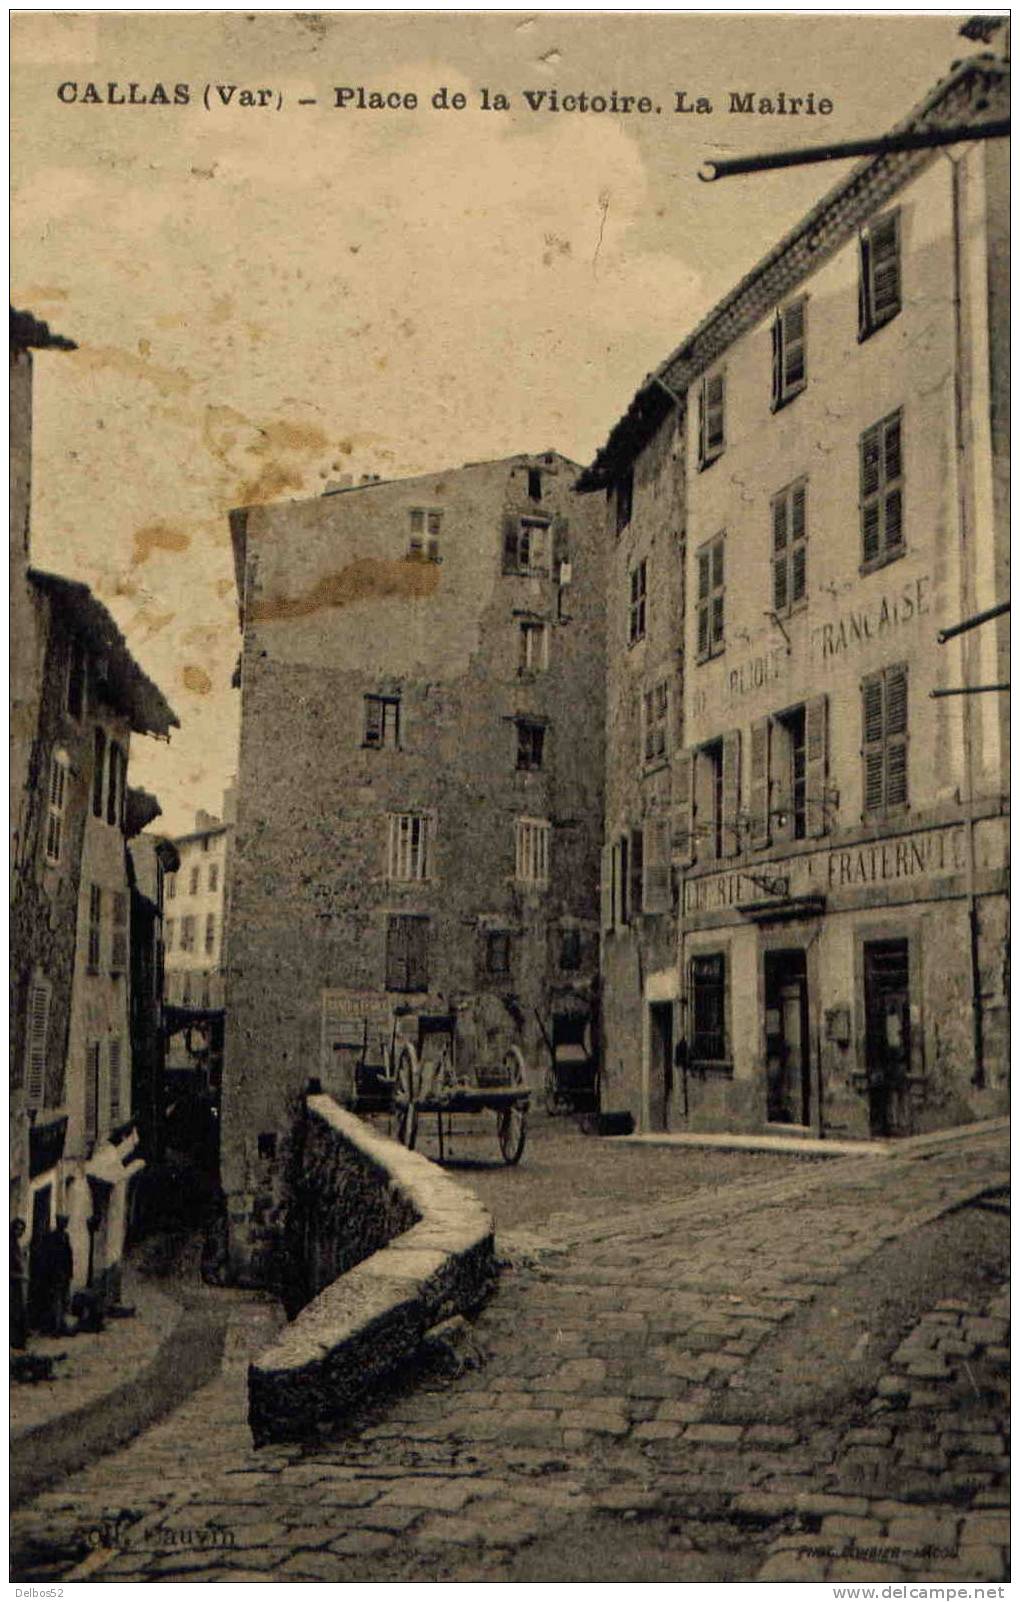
967 607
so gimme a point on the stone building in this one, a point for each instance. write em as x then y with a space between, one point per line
420 785
814 482
196 902
152 860
78 695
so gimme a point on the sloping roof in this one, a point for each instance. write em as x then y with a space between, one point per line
821 232
27 331
127 687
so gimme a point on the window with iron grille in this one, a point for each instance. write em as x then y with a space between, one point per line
382 721
638 602
526 546
98 771
56 800
879 285
624 497
707 977
408 849
210 933
656 723
115 1083
118 946
789 353
711 419
711 598
881 463
532 851
426 527
92 1092
884 747
95 928
789 548
38 1032
407 952
530 745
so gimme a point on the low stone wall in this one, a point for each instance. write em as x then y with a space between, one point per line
408 1246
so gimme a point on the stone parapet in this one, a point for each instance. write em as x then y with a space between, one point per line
373 1316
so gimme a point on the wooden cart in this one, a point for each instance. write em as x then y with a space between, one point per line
433 1074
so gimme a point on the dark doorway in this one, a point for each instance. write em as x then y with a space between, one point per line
787 1047
660 1067
887 1034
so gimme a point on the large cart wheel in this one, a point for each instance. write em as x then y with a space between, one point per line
404 1092
512 1130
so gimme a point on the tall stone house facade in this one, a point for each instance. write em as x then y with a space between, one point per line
78 696
805 914
420 784
195 913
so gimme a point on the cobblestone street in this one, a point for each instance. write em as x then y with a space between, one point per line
684 1389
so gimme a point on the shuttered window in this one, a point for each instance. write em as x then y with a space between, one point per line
656 723
711 419
210 933
879 296
789 353
884 748
408 850
789 548
711 597
407 952
881 453
38 1031
98 772
92 1092
638 602
56 800
95 928
532 851
115 1088
118 949
656 890
188 933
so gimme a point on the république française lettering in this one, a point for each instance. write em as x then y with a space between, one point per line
871 622
755 673
935 851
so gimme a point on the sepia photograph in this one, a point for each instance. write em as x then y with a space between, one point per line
509 991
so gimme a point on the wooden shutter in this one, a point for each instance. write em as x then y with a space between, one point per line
794 346
777 361
656 896
684 845
761 743
731 793
816 763
864 288
606 887
885 268
780 587
872 749
871 529
115 1082
637 872
417 953
892 462
92 1091
38 1029
895 736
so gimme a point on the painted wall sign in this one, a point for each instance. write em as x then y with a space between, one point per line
756 672
929 852
344 1005
881 616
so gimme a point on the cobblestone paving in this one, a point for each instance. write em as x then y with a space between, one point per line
591 1398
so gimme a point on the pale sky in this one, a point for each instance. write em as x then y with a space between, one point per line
265 299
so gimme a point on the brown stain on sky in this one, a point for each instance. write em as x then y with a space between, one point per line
108 357
196 679
157 537
367 579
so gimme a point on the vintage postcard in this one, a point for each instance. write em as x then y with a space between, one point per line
510 974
